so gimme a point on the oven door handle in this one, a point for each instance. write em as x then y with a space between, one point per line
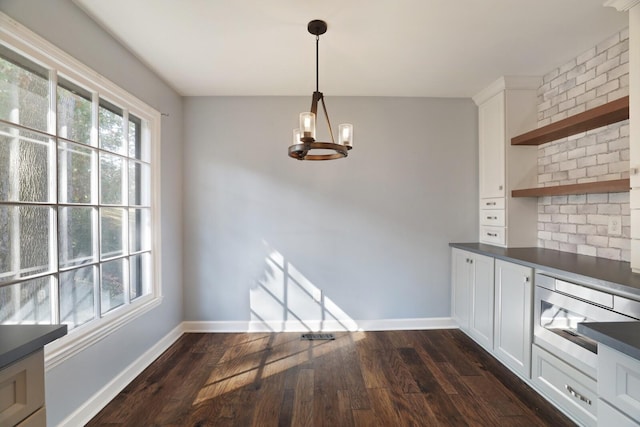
577 395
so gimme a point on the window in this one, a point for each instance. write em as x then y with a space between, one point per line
78 238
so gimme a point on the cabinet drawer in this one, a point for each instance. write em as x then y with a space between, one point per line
609 416
619 380
493 203
493 235
21 388
567 387
492 217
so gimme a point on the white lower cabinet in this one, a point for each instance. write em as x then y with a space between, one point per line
565 386
481 321
472 299
492 301
609 416
22 391
619 382
513 316
461 288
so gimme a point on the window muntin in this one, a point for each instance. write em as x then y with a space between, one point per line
75 199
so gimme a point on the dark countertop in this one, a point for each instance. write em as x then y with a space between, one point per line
17 341
613 276
621 336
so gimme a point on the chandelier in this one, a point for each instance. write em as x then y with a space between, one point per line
304 138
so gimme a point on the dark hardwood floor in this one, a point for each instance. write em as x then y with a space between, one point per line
395 378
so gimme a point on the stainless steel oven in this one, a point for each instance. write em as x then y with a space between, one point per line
559 307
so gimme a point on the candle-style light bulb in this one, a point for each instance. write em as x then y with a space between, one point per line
308 126
345 134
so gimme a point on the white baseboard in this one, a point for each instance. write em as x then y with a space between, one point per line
95 403
320 326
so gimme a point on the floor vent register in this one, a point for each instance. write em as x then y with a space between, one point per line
314 337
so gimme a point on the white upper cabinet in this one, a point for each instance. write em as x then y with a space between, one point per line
491 151
507 108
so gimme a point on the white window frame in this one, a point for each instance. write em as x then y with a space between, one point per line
28 44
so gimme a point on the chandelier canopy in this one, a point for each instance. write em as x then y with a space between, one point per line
304 138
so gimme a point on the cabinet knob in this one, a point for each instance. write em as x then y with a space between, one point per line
526 279
492 234
492 217
500 188
491 203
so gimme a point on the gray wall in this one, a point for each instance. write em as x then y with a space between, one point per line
62 23
369 232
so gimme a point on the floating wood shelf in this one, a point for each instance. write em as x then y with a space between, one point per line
612 112
613 186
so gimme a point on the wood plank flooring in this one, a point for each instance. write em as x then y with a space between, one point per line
394 378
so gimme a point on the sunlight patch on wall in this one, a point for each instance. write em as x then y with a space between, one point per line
283 299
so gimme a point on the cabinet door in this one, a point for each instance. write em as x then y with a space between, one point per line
491 129
482 299
513 311
460 287
21 388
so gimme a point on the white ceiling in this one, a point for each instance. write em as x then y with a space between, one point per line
440 48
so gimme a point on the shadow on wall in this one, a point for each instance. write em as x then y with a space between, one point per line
283 299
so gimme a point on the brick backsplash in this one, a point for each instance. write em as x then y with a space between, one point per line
579 223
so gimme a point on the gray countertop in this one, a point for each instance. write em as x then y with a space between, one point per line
17 341
613 276
621 336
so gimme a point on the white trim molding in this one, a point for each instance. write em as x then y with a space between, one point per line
60 350
507 82
621 5
98 401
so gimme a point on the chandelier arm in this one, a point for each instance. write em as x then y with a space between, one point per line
326 115
314 102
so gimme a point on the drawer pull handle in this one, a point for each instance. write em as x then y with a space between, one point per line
492 217
577 395
492 234
491 203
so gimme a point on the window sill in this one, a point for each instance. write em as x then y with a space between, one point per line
75 342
